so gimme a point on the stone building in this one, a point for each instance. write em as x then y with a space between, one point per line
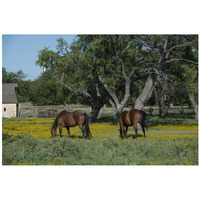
9 101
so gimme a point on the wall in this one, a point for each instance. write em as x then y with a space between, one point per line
11 110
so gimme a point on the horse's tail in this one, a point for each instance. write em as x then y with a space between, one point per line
87 129
143 119
54 127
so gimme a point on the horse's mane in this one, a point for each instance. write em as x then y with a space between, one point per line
55 124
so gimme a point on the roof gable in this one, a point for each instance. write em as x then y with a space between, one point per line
8 92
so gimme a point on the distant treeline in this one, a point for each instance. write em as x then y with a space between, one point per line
46 91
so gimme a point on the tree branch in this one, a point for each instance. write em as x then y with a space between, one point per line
127 47
77 92
178 46
144 43
136 68
97 90
182 59
123 69
111 94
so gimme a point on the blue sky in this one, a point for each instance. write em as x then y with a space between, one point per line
19 52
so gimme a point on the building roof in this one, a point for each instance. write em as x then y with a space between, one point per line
8 93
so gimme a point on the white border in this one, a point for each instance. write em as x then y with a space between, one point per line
99 17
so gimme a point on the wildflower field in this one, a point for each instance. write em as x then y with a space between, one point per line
27 141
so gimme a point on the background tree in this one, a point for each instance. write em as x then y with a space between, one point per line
117 60
46 91
11 77
164 50
102 67
74 69
186 85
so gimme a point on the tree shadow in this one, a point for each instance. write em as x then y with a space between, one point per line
107 118
71 137
153 120
133 136
172 118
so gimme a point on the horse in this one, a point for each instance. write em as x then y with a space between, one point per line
132 118
71 119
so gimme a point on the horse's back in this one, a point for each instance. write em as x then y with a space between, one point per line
61 118
135 115
67 119
61 115
125 119
78 113
129 118
78 116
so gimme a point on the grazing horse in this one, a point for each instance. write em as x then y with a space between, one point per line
71 119
131 118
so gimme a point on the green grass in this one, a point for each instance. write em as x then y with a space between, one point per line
27 150
24 149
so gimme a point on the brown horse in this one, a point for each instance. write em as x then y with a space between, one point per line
132 118
71 119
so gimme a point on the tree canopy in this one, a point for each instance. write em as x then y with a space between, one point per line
116 68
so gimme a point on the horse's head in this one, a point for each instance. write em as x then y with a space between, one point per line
53 132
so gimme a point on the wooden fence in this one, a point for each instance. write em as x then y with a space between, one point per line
168 111
47 112
52 111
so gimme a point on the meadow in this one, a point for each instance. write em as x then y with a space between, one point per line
172 140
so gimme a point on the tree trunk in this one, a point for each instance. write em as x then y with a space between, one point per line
116 104
162 105
97 104
194 105
146 93
95 112
116 110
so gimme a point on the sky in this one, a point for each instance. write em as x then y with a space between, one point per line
19 52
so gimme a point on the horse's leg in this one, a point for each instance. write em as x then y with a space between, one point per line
83 130
136 130
143 129
60 131
126 131
68 131
122 130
